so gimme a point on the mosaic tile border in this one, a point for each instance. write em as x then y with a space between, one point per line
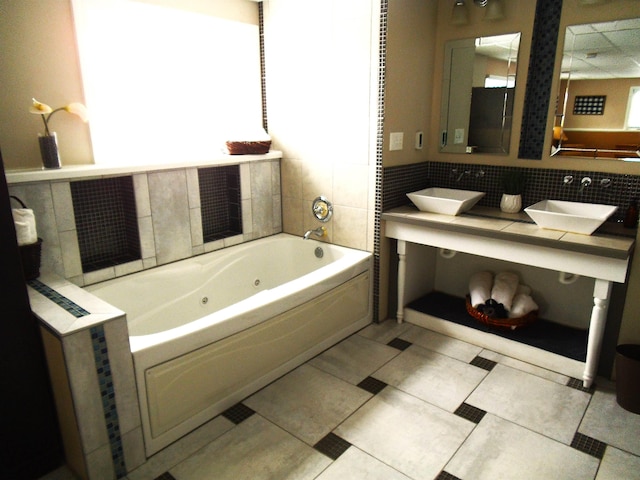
546 26
107 393
60 300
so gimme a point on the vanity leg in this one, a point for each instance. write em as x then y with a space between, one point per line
402 271
601 293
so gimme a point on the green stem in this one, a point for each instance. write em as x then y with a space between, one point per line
46 118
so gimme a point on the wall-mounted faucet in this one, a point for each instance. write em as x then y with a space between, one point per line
567 180
318 232
584 183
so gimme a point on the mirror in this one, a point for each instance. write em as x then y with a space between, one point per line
477 94
596 116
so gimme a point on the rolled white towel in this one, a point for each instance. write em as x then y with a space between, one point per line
480 285
504 288
522 304
25 223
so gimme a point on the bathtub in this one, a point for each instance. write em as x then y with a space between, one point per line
208 331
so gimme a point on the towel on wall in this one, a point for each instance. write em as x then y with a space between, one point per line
25 223
480 285
504 288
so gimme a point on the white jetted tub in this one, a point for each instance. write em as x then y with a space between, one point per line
208 331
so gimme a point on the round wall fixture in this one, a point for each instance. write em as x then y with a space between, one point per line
322 209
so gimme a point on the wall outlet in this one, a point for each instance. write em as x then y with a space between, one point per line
458 136
396 140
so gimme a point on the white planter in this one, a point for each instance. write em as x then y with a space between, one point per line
510 203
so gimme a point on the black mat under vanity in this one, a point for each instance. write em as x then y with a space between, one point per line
549 336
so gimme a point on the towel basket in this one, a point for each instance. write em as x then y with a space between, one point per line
248 148
30 254
508 323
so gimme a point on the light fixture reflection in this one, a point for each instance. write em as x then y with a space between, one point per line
459 14
494 10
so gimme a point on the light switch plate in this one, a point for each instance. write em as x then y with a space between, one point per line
396 140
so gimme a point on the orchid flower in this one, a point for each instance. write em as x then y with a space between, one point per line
46 111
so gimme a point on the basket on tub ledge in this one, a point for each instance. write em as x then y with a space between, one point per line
507 323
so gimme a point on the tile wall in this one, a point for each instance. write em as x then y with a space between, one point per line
169 218
542 184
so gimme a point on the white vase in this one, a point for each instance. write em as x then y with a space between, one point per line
510 203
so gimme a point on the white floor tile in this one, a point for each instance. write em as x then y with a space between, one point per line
525 367
532 402
406 433
354 359
254 449
617 465
181 449
608 422
384 332
500 449
435 378
355 464
443 344
308 402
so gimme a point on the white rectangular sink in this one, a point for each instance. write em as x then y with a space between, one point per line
572 217
448 201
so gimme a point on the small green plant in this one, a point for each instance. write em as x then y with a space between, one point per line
513 182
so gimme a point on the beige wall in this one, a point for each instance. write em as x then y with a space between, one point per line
615 108
39 59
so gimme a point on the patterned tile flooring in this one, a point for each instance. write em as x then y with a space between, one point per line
401 402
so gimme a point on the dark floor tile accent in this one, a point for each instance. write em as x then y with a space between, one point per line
589 445
578 385
469 412
446 476
483 363
399 344
372 385
332 446
238 413
165 476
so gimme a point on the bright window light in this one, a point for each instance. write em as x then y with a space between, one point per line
633 109
165 84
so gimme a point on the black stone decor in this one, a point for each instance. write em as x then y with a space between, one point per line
106 222
538 92
220 201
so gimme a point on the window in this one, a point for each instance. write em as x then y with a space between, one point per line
633 109
167 81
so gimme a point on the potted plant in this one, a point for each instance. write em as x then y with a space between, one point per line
513 182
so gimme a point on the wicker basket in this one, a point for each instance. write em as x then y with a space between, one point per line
508 323
248 148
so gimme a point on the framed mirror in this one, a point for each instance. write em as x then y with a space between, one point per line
598 103
477 94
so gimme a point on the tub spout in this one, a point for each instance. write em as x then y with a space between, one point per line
318 232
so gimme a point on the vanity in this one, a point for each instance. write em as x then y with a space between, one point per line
488 233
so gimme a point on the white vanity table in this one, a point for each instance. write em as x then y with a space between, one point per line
489 233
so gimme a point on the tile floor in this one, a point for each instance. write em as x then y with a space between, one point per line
401 402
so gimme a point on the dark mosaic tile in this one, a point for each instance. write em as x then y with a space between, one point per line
372 385
446 476
469 412
332 446
165 476
71 307
578 385
399 344
483 363
589 445
238 413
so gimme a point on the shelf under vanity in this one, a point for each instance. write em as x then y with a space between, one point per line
490 236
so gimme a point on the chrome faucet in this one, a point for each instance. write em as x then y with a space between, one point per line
318 232
585 182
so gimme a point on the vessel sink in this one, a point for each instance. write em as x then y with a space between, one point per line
449 201
572 217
